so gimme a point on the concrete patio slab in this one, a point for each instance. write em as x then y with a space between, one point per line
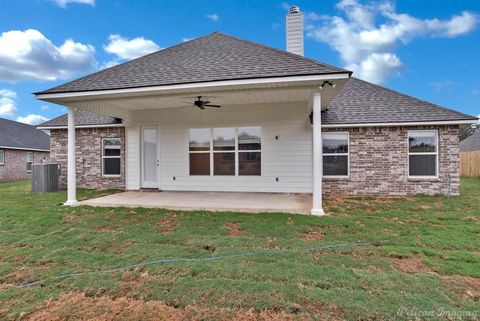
208 201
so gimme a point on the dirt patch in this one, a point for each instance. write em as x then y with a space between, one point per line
324 312
77 306
465 286
122 247
233 229
312 236
73 218
472 218
410 265
290 221
167 224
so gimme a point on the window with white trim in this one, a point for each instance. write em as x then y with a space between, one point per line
225 151
2 157
29 159
336 158
111 156
423 153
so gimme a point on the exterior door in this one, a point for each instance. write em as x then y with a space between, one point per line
150 161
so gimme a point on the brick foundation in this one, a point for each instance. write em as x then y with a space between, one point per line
88 146
15 167
379 163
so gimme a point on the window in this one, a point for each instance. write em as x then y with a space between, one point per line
335 154
422 153
225 151
111 153
199 150
2 157
249 151
29 161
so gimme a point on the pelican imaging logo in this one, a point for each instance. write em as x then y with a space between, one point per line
414 312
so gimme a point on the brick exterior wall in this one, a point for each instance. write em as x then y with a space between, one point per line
379 163
88 146
15 167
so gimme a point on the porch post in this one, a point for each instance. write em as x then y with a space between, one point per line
317 208
71 166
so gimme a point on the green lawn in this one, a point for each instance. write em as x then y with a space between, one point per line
431 264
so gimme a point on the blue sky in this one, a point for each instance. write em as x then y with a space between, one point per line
428 49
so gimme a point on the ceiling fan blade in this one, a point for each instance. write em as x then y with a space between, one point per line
216 106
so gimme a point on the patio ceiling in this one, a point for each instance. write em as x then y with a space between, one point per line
236 94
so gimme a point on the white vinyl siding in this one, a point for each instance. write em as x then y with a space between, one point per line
286 147
132 157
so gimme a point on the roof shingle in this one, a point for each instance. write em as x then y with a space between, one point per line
361 102
19 135
82 118
471 143
212 57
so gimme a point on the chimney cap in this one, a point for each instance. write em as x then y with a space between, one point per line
294 9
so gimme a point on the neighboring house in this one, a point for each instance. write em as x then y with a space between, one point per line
285 122
470 156
471 144
21 145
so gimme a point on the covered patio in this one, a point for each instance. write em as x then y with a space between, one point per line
208 201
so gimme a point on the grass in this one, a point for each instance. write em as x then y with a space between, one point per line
431 263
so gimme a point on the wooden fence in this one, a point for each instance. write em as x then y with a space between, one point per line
470 164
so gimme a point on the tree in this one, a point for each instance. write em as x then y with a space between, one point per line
469 130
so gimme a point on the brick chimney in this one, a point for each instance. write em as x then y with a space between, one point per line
295 31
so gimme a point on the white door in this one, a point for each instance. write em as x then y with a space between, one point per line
150 161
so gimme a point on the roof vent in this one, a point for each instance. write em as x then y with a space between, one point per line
294 9
295 31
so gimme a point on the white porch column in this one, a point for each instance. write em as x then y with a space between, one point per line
317 208
71 166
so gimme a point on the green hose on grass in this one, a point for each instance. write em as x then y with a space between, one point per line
206 259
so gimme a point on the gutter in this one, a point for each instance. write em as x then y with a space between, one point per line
25 148
80 126
424 123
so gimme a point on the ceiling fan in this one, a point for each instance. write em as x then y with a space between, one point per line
202 104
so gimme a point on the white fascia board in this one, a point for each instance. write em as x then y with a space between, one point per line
82 126
198 85
427 123
27 149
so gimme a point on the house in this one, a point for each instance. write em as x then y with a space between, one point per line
470 156
470 144
219 113
21 145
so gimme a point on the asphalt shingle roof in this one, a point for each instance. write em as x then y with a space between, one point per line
209 58
19 135
82 118
471 143
360 102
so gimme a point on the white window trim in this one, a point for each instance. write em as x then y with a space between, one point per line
436 153
103 157
2 151
338 154
236 151
26 161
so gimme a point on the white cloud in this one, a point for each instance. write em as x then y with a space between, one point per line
32 119
64 3
439 86
29 55
186 39
366 46
44 107
126 49
8 106
213 16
